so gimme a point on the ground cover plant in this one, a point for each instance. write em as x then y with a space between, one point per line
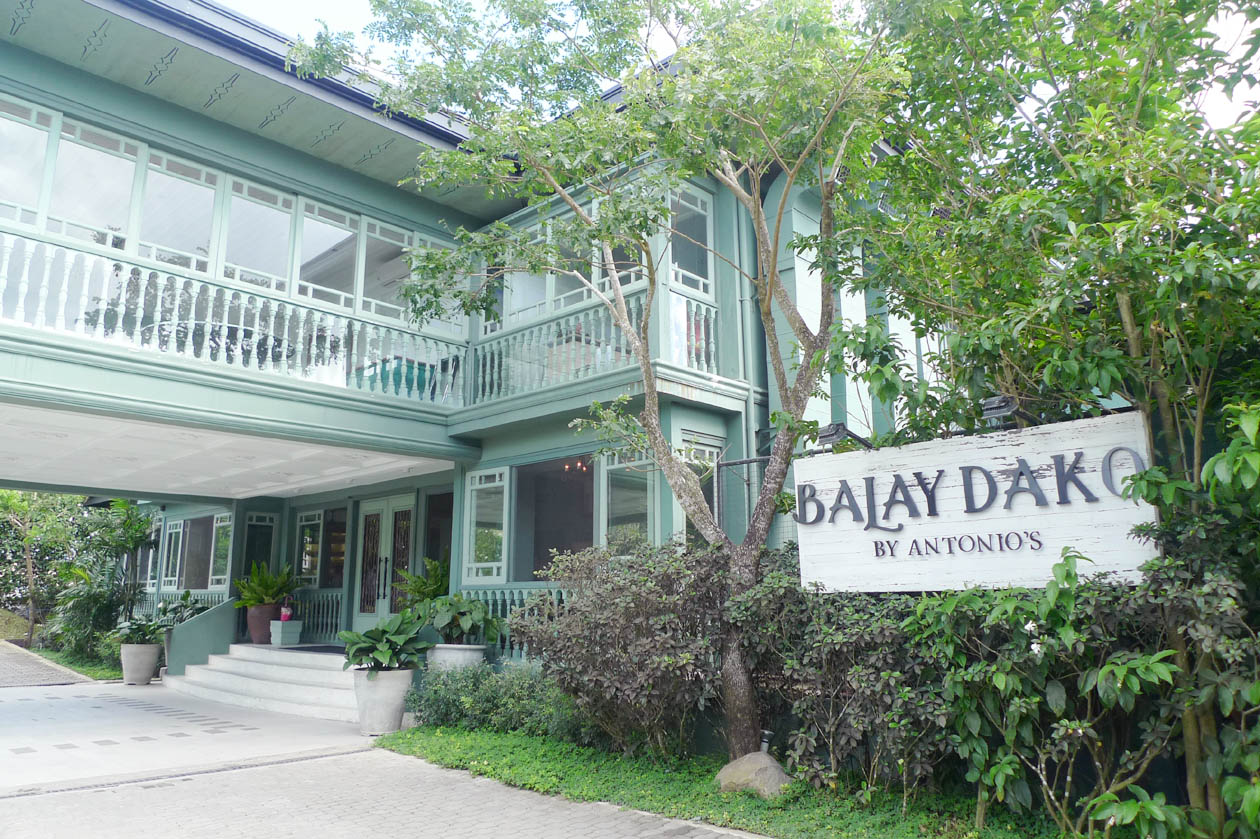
92 666
685 789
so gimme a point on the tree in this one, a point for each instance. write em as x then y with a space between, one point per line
1065 216
40 525
779 95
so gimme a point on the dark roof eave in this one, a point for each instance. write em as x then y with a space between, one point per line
243 46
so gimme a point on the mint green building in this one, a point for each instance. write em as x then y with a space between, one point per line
200 257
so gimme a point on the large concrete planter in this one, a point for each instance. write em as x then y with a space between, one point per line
381 699
455 656
139 661
258 619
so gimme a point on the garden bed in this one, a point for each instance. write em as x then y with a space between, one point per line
93 668
685 789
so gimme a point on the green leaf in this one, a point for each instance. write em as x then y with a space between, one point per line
1056 696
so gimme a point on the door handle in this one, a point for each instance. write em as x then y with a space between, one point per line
383 584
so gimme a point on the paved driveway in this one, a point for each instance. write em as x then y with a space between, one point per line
105 761
19 667
73 735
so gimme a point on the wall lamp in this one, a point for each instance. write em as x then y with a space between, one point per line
998 410
835 432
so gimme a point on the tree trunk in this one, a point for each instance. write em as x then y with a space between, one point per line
739 699
30 594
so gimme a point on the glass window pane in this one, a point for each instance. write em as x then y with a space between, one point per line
385 270
91 194
258 540
175 221
219 561
332 570
629 507
310 534
690 240
328 259
553 508
174 549
487 532
257 243
528 295
198 546
22 150
570 286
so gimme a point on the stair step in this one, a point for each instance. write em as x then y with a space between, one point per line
274 671
288 656
181 684
271 687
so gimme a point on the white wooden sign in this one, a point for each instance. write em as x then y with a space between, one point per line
988 510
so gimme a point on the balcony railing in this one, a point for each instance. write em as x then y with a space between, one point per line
99 297
319 610
148 602
565 349
502 602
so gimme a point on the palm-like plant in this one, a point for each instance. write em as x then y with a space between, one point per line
262 587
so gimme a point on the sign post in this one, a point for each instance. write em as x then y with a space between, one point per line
989 510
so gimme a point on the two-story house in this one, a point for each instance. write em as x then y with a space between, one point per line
200 257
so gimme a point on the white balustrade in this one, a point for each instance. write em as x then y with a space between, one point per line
568 348
502 602
101 298
701 334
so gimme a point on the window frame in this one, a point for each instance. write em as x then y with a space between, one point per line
704 287
72 131
617 462
52 132
212 178
306 519
220 582
480 480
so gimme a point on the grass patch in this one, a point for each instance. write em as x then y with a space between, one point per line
11 625
686 790
93 668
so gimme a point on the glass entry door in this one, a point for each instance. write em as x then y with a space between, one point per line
384 547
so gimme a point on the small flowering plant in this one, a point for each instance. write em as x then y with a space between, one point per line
1037 681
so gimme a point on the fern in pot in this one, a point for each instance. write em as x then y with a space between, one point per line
385 659
466 626
261 594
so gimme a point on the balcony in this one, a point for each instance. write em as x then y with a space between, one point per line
70 288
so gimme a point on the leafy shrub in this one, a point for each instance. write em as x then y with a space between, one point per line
393 644
140 630
108 650
634 640
262 587
861 696
518 698
96 597
460 620
172 612
416 588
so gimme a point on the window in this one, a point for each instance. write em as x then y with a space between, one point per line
259 221
220 558
140 565
553 509
259 537
177 213
689 242
23 144
631 507
330 252
486 500
703 453
92 185
321 545
171 556
206 552
385 268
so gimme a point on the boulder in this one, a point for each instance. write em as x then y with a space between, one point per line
755 771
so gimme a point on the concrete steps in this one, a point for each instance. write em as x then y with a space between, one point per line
284 680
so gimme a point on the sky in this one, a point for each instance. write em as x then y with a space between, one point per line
301 18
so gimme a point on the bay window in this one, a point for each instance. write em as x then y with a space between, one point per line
690 242
487 498
329 254
198 552
92 185
23 144
630 501
177 213
258 235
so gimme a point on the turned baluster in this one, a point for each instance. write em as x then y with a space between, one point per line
24 280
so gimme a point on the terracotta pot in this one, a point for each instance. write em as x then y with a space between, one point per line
259 619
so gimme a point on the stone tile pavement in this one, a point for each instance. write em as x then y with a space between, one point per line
19 667
374 794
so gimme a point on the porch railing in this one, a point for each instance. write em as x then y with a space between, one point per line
105 298
320 614
502 602
148 602
696 346
566 348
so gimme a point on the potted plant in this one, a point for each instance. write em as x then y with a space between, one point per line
141 644
286 632
466 626
385 659
261 594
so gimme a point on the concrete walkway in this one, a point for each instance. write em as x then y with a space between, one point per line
69 736
19 667
378 794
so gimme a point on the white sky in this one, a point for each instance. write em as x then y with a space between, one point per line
301 18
